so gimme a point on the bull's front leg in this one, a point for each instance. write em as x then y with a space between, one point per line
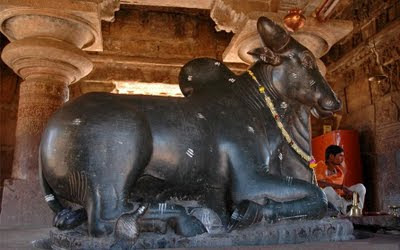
284 198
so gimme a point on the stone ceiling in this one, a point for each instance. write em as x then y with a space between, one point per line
240 17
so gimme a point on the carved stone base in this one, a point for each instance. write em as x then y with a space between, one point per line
284 232
23 204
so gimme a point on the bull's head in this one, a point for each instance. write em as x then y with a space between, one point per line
295 75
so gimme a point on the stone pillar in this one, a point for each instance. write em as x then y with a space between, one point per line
47 39
47 66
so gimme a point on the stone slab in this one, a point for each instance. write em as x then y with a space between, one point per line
284 232
23 204
378 221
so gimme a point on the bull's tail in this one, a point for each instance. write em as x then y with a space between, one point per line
49 194
65 218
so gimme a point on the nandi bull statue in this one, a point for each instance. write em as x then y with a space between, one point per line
237 145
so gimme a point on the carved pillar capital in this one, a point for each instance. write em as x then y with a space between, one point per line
44 58
75 22
234 16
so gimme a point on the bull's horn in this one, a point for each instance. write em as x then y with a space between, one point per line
272 35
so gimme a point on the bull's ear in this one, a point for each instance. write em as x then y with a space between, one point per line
266 55
272 35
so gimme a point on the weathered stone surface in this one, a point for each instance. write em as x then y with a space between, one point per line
358 94
372 107
387 177
9 90
23 204
285 232
159 34
380 221
195 4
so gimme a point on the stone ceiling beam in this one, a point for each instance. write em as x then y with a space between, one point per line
387 38
109 68
192 4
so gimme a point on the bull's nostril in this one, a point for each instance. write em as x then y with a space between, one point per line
330 104
326 103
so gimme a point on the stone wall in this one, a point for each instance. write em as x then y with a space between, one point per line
370 107
9 90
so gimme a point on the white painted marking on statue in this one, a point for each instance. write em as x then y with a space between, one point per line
201 116
280 156
190 78
76 121
217 63
49 197
190 152
232 80
162 207
250 129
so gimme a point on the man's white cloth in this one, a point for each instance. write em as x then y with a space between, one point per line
340 202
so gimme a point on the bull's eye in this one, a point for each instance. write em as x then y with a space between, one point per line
307 61
291 55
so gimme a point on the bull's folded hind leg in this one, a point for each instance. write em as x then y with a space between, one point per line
69 219
288 198
311 207
175 216
104 206
216 199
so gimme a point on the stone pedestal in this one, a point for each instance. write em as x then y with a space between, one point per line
284 232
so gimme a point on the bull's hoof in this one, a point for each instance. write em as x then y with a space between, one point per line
245 214
69 219
189 226
127 230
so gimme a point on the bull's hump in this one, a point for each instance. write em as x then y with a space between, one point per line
205 75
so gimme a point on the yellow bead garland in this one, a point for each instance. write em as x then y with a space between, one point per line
284 132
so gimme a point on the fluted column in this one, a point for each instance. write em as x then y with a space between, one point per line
48 66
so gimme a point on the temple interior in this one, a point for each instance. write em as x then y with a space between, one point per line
55 51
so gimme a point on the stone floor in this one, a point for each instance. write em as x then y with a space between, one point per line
21 237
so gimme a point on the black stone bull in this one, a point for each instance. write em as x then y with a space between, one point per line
221 145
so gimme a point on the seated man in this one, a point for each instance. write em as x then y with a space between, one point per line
330 178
